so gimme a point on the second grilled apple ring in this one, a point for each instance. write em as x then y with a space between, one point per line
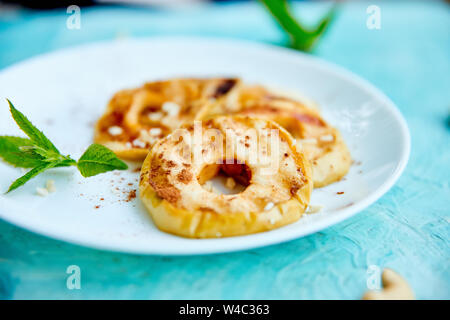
321 143
136 118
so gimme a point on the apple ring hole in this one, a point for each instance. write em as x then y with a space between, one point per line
230 177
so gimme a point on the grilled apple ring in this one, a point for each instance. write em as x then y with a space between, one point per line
135 119
258 154
322 144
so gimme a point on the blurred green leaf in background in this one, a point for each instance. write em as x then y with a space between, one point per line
300 37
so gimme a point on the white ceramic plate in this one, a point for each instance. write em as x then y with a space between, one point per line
64 92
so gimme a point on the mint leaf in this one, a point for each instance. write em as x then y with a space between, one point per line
30 130
98 159
47 155
40 154
11 151
31 174
66 163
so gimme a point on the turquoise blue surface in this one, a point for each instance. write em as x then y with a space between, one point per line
407 229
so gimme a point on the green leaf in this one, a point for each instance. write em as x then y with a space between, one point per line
47 155
31 174
30 130
98 159
301 38
40 154
11 152
66 163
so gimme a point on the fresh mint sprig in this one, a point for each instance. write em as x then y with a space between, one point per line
301 38
40 154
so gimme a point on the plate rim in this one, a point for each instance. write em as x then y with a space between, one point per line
338 215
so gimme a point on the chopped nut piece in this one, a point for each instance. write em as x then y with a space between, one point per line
230 183
327 138
115 130
155 116
50 185
43 192
394 288
155 131
147 137
139 143
171 108
269 206
314 208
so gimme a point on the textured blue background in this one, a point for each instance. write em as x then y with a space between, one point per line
407 230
